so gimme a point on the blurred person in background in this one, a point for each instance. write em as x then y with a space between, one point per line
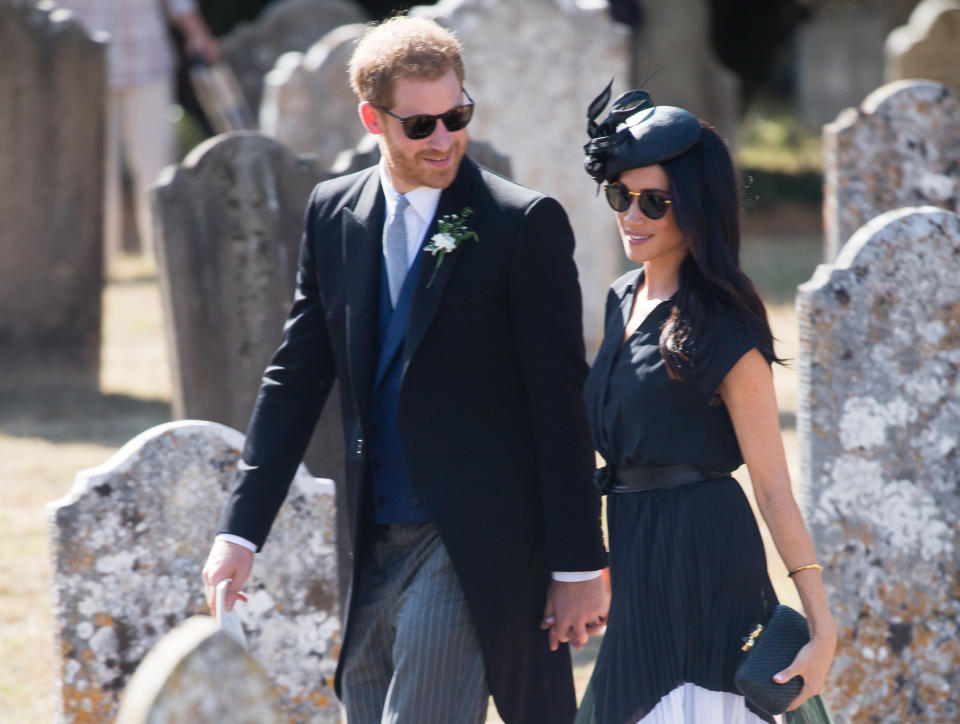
140 71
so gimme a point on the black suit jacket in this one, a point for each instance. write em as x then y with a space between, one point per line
491 415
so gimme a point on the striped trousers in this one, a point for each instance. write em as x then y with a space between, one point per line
413 656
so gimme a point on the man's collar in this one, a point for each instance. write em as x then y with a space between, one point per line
423 199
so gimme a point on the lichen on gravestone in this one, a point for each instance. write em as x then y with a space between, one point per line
879 430
128 543
899 149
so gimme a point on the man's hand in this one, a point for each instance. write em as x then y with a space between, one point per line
575 611
226 560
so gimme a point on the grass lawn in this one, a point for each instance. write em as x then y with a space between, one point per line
47 436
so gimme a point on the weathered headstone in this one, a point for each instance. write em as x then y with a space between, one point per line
307 102
900 148
674 46
229 221
128 543
199 675
839 53
928 46
52 86
532 94
367 153
251 49
879 425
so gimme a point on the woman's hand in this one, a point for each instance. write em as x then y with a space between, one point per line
812 663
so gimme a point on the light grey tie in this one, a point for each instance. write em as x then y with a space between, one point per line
395 249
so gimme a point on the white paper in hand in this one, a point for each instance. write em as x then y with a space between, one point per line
229 621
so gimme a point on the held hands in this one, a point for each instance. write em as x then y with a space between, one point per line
226 560
575 611
812 663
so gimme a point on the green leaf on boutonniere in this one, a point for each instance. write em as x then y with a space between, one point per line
453 230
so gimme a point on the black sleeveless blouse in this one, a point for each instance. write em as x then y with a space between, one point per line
638 415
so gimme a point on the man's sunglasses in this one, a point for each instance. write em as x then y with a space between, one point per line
653 204
422 126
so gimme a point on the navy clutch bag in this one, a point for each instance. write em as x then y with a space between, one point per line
770 649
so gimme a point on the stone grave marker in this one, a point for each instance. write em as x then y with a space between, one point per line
128 543
928 46
900 148
229 221
307 102
199 675
674 46
879 430
52 91
251 49
532 93
839 53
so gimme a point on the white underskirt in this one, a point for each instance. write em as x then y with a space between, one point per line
692 704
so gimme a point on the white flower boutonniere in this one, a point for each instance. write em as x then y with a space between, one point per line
453 230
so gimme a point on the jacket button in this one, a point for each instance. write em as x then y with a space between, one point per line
415 501
381 499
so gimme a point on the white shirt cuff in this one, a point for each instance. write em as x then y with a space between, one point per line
574 576
229 538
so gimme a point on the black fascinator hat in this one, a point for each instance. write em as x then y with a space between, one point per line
635 133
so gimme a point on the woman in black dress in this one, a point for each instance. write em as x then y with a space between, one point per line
680 395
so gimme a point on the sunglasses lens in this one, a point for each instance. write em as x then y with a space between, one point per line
457 118
653 206
417 127
617 197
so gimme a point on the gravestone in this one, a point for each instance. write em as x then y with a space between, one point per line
52 101
879 426
532 93
229 221
674 46
900 148
199 675
928 46
308 104
128 543
839 53
251 49
367 153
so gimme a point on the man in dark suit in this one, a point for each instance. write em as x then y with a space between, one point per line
445 300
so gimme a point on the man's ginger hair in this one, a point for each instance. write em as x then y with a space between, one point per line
402 47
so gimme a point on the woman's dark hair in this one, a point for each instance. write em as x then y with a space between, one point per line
703 190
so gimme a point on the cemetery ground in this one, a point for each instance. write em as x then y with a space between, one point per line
47 436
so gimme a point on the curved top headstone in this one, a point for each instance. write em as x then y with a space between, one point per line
251 49
879 429
128 543
229 221
900 148
200 675
928 46
308 104
52 107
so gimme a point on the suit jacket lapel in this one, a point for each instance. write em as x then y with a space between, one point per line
426 300
362 229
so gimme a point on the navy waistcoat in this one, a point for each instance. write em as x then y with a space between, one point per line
393 497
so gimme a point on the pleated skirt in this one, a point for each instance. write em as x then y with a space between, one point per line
689 580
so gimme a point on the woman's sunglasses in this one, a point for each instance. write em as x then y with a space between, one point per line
653 204
422 126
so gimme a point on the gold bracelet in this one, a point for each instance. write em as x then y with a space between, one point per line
817 566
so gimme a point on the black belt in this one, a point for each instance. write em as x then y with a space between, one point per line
611 479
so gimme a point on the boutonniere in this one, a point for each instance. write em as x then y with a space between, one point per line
453 230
